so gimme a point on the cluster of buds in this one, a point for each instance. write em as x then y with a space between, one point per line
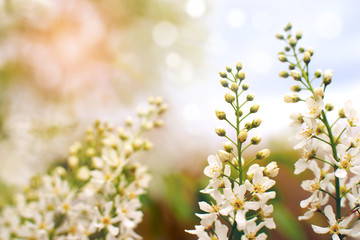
239 189
95 193
330 150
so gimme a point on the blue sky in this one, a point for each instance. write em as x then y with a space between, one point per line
245 31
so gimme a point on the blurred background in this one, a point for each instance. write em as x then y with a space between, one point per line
65 63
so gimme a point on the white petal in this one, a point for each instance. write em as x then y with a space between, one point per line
340 173
320 230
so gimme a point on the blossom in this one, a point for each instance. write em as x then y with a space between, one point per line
214 169
315 106
335 227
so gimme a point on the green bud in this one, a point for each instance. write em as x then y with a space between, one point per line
228 147
295 88
234 87
228 69
298 35
245 86
239 66
254 108
306 58
282 58
279 36
329 107
239 113
288 27
224 83
341 113
256 122
318 73
301 49
256 140
310 50
250 97
241 76
220 131
220 115
263 154
296 75
291 98
223 74
229 97
284 74
292 41
247 125
292 66
287 49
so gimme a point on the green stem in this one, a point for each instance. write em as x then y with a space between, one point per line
334 151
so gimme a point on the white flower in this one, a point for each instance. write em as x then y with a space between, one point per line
315 106
251 230
214 169
105 220
351 114
335 227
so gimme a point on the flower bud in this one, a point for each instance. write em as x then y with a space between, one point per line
220 131
310 50
83 174
90 152
238 66
271 169
238 113
256 122
256 140
327 77
288 27
223 74
59 170
318 73
247 125
318 92
224 83
263 154
292 67
295 88
287 49
73 161
250 97
295 75
298 35
245 86
341 113
220 115
224 156
158 123
148 145
128 150
138 144
291 98
282 58
292 41
284 74
228 69
329 107
241 76
234 87
279 36
228 147
254 108
301 49
307 57
242 136
229 97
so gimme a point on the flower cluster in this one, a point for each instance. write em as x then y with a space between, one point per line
328 149
238 189
95 194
